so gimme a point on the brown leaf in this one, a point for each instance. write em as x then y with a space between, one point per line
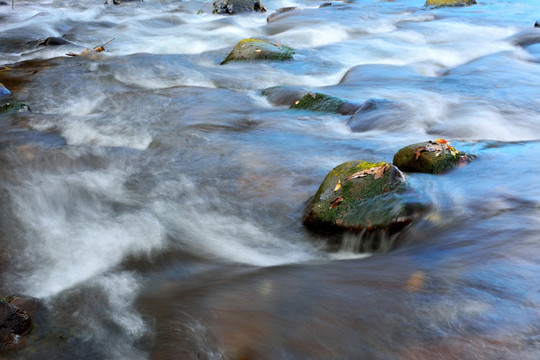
336 202
377 171
338 185
416 281
418 152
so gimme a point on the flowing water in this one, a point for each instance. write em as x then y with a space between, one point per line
152 197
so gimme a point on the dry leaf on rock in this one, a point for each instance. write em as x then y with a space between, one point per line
336 202
377 172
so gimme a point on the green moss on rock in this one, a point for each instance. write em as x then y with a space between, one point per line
319 102
430 162
258 49
442 3
360 203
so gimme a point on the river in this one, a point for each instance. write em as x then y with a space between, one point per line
153 197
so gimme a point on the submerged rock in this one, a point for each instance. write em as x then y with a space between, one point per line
432 157
284 95
315 101
440 3
359 195
14 322
380 114
237 6
258 49
10 108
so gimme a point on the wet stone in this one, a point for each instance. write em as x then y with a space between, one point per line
14 322
442 3
432 157
259 49
238 6
358 195
315 101
537 24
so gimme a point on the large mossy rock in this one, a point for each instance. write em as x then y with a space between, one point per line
237 6
440 3
315 101
359 195
14 322
432 157
259 49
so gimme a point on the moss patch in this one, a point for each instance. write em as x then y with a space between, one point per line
319 102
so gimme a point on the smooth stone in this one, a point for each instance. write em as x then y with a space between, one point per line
259 49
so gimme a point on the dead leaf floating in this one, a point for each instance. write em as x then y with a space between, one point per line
97 49
336 202
377 172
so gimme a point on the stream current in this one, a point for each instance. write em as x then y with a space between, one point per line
152 197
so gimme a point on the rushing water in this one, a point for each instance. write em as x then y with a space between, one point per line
153 198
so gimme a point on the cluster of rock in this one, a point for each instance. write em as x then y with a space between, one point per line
356 195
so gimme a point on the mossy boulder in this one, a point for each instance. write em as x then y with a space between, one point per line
314 101
237 6
359 195
259 49
441 3
432 157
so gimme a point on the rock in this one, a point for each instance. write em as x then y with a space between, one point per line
441 3
432 157
14 322
258 49
380 114
10 108
360 195
315 101
237 6
284 95
537 23
4 90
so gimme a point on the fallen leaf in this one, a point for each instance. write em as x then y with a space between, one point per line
377 171
418 151
297 102
258 50
416 281
336 202
338 185
440 141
